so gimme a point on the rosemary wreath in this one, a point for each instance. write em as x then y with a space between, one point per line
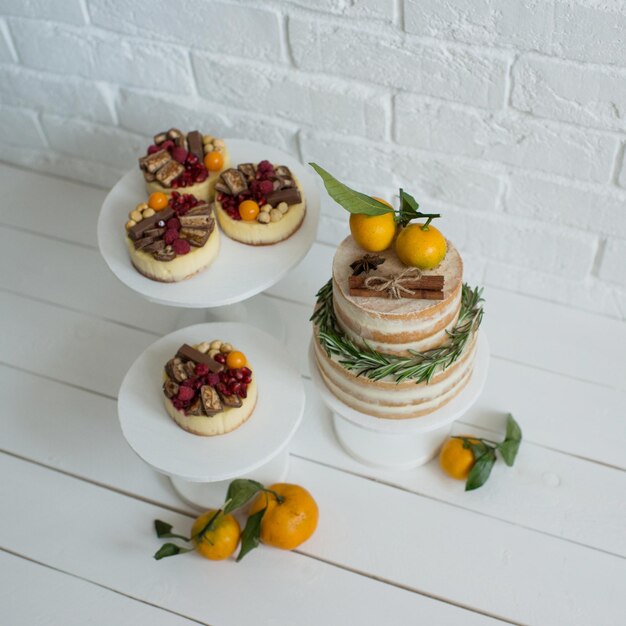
420 366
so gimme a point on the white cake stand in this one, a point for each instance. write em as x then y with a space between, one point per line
201 468
240 271
400 443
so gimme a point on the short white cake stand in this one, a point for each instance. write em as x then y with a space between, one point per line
201 468
239 272
400 444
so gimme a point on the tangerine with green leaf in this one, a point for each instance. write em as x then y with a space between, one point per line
373 233
216 540
421 246
455 459
289 519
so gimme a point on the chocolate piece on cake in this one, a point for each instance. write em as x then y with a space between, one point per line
231 402
170 388
196 237
155 161
156 246
190 368
194 144
248 170
283 171
211 400
147 223
196 407
176 136
140 244
160 138
175 369
220 186
165 254
154 232
171 170
235 181
286 183
189 353
290 196
148 177
200 220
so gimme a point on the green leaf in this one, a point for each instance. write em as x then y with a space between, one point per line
251 534
241 491
351 200
207 527
513 431
170 549
163 529
478 447
508 449
480 472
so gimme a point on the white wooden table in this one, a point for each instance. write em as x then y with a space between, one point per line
542 543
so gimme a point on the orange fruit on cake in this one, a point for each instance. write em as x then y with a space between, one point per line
213 161
157 201
221 540
422 248
456 460
289 523
373 233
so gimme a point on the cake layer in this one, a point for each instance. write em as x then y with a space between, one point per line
395 326
386 398
183 266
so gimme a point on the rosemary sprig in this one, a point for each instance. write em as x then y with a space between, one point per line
420 366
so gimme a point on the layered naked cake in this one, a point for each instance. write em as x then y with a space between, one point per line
393 330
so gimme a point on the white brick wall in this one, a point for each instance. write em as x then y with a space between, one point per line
509 116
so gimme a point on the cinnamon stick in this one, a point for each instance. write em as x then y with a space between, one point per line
420 294
427 283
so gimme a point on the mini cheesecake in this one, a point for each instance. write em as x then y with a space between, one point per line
176 162
204 393
277 194
174 243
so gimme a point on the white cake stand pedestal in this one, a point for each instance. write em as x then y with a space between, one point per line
400 444
239 271
201 468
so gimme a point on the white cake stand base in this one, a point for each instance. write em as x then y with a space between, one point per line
400 444
201 468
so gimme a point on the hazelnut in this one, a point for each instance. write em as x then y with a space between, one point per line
283 207
130 224
141 206
148 212
213 353
275 215
207 138
203 347
226 347
216 344
266 208
219 144
264 218
135 215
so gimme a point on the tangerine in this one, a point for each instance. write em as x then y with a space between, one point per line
290 522
235 360
214 161
157 201
249 210
456 460
221 540
422 247
373 233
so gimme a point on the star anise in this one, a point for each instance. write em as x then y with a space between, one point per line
366 264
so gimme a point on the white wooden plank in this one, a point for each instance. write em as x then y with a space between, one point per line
107 538
542 480
64 600
50 205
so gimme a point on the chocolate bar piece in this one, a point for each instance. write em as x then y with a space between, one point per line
155 161
170 388
148 177
140 228
231 402
175 369
140 244
160 138
290 196
282 171
154 232
210 400
156 246
196 237
171 170
194 144
220 186
196 407
176 136
165 254
191 354
248 170
235 181
190 368
285 182
196 221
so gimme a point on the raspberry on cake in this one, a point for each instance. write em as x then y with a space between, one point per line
209 389
170 239
191 162
259 204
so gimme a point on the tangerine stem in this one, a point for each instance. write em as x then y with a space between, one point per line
280 499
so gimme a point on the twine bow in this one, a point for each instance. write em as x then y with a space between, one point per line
395 285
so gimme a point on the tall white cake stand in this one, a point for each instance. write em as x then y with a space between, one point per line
240 271
201 468
400 444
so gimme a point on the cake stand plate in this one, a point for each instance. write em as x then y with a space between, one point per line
400 443
201 467
240 271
